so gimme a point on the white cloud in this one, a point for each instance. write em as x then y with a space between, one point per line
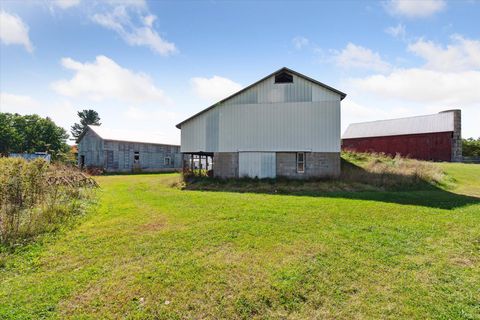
353 56
449 79
415 8
397 32
461 55
300 42
65 4
138 113
128 3
14 31
105 79
13 102
135 34
353 111
215 88
426 86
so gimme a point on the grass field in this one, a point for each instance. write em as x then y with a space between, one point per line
150 251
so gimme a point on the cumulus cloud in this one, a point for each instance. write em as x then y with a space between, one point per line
354 56
461 55
135 33
105 79
14 102
397 31
14 31
415 8
450 75
300 42
427 86
449 78
215 88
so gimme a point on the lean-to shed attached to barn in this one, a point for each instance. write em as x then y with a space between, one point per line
285 124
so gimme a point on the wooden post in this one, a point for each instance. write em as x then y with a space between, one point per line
191 162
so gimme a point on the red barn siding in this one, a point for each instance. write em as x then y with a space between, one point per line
426 146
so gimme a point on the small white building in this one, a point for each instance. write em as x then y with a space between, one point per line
285 124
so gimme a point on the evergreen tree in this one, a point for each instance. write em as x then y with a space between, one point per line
87 117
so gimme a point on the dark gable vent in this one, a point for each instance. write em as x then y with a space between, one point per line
283 78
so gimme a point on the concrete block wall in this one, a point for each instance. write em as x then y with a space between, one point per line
225 164
317 165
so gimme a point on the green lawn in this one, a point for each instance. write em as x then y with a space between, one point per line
151 251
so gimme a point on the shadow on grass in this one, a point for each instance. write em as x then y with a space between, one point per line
354 183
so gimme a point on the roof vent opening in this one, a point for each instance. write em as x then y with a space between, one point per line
283 77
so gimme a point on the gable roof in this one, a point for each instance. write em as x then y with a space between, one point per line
440 122
284 69
119 135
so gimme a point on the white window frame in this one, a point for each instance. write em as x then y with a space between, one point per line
298 162
165 161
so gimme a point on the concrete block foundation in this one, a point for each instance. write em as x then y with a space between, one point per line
317 165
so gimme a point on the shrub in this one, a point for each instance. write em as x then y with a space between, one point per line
36 196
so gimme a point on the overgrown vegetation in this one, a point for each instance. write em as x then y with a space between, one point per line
471 147
360 172
36 197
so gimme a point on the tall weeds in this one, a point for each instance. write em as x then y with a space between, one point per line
36 197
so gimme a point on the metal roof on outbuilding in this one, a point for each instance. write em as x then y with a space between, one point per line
440 122
124 135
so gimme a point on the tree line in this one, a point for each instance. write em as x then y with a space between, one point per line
32 133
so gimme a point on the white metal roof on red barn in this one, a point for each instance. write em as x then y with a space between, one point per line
440 122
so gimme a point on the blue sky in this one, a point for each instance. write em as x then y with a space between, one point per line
145 66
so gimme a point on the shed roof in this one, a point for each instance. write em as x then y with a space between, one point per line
298 74
440 122
124 135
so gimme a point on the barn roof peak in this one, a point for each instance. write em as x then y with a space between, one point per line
281 70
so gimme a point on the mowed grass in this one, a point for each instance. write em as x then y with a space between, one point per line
151 251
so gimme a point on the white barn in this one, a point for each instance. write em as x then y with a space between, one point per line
285 124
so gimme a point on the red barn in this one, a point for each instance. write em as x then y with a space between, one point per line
435 137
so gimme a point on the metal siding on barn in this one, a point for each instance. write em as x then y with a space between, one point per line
302 116
257 165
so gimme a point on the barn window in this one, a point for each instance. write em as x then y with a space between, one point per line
136 157
300 162
283 78
167 161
